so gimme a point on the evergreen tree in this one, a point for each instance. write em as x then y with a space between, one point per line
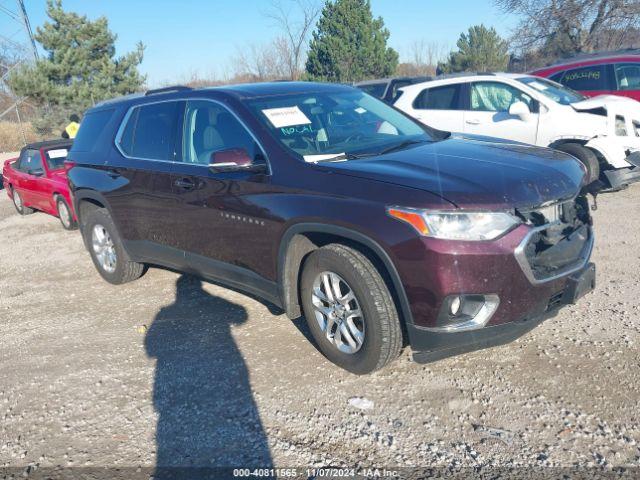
479 50
80 67
349 44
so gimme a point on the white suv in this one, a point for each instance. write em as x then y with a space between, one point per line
602 132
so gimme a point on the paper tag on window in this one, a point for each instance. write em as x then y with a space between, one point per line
60 153
360 110
286 116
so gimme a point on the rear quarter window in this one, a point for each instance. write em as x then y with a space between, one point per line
91 127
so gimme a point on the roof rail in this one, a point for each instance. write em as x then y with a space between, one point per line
174 88
463 74
595 55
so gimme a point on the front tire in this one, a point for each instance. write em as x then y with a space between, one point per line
349 309
18 202
587 157
65 215
106 249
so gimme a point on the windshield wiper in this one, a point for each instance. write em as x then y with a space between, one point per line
347 156
400 146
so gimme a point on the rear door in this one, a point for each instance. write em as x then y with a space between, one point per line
440 107
140 175
488 112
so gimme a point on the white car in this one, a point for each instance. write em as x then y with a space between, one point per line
602 132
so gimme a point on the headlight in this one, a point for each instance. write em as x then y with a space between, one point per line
471 226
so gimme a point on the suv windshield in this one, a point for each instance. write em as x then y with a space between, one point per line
341 125
556 92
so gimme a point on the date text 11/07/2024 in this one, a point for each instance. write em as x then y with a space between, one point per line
327 472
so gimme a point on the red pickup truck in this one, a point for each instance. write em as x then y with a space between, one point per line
37 180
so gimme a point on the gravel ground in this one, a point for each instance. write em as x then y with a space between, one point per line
171 371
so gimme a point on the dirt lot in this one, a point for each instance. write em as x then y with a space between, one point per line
170 370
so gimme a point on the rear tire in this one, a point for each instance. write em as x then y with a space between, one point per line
18 202
375 336
587 157
106 249
64 214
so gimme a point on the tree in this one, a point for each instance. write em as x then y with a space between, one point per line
423 58
349 44
481 49
80 67
295 31
566 27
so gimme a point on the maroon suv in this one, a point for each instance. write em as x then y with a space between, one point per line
332 204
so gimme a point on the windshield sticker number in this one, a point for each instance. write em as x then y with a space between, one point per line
298 129
60 153
286 116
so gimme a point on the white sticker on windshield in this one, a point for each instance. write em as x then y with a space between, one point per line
360 110
320 158
60 153
538 85
286 116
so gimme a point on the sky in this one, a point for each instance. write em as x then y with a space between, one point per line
201 37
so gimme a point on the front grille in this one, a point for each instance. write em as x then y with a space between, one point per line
559 242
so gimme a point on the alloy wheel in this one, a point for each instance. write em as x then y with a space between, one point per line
103 248
63 213
338 312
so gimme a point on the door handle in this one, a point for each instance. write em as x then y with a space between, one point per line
473 121
113 173
185 184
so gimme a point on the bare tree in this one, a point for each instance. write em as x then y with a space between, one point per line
295 19
563 27
262 62
424 57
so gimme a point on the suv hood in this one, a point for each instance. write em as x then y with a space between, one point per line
475 173
611 103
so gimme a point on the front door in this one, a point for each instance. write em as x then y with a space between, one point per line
488 112
217 221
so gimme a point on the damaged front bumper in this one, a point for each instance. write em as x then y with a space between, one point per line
621 177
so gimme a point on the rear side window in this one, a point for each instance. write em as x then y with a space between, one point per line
587 78
91 128
150 131
628 76
438 98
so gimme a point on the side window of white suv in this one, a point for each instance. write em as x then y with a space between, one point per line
497 97
438 98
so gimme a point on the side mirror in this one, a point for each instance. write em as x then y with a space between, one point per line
37 172
235 160
521 110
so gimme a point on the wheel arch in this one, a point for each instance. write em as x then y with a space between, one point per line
302 239
87 200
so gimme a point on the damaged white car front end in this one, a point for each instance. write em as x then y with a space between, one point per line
619 143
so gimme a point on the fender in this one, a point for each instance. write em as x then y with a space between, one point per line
302 228
613 151
86 194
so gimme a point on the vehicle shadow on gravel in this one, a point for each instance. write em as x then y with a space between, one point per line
207 414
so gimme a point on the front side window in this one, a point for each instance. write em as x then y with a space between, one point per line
497 97
586 78
554 91
438 98
628 76
150 131
211 128
324 125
